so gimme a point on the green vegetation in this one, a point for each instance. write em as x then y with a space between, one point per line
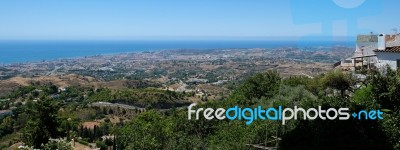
42 124
149 97
57 144
337 80
268 90
258 86
52 118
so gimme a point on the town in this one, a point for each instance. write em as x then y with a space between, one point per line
98 98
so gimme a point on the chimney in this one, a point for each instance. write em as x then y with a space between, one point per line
382 42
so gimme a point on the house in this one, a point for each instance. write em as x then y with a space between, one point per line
388 52
373 52
363 56
346 64
61 89
390 56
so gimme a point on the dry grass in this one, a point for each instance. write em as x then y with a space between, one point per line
6 86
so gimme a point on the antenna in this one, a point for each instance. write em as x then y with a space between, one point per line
371 36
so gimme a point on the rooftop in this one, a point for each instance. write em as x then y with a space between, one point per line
395 49
367 38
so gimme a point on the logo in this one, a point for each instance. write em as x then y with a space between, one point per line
280 114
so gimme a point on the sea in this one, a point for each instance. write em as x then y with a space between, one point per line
33 51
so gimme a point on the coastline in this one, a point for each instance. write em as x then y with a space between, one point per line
17 53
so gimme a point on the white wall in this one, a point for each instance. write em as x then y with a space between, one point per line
387 58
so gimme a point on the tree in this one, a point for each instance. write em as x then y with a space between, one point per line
43 123
52 89
386 88
35 93
365 96
6 126
101 145
58 145
145 132
258 86
337 80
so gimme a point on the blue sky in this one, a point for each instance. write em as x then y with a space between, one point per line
193 19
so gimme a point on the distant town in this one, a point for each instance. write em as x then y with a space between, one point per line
207 71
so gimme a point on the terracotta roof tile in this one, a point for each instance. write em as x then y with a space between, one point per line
395 49
390 38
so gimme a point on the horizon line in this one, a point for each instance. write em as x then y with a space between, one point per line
199 38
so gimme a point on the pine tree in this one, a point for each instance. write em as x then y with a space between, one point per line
43 123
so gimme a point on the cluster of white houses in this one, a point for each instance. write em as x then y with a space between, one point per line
374 52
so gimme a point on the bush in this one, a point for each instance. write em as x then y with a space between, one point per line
260 85
337 80
58 144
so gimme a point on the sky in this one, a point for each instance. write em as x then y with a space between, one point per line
193 19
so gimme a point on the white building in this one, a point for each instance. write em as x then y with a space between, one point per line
364 55
390 56
374 52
